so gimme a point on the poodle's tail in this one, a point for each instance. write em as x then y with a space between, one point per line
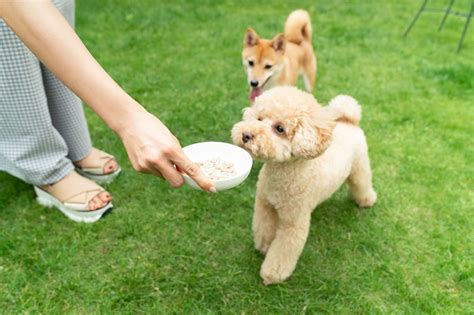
298 27
346 109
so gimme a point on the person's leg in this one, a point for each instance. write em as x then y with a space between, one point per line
30 147
66 110
67 116
65 107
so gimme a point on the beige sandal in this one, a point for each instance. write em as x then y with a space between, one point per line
73 197
96 172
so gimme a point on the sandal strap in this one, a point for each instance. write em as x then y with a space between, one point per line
74 189
100 158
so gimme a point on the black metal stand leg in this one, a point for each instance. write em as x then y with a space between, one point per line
465 28
448 9
416 18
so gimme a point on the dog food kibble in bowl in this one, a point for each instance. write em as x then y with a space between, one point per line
225 164
217 169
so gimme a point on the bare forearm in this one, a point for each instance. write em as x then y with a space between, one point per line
48 35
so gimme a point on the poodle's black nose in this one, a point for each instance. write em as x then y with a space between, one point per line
254 83
246 137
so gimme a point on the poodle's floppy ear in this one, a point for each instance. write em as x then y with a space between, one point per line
278 43
251 38
312 136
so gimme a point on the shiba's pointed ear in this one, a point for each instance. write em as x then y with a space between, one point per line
251 38
312 136
278 43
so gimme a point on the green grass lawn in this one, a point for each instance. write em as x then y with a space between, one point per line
182 251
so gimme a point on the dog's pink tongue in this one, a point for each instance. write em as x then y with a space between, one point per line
254 93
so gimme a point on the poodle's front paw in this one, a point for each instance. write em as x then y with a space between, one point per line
276 271
368 200
262 242
263 237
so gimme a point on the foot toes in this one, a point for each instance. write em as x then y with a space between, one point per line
110 167
97 202
100 202
92 205
105 197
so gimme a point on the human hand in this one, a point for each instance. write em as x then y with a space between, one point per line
152 148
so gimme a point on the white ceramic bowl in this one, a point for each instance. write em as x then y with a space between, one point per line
230 153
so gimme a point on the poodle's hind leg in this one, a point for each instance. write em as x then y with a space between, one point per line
360 181
264 225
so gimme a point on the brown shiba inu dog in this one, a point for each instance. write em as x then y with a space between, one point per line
279 61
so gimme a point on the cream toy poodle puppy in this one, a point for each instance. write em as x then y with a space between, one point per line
309 152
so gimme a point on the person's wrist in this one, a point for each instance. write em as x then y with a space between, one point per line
127 119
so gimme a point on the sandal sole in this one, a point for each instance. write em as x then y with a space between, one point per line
45 199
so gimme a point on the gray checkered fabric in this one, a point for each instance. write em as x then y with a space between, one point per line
42 123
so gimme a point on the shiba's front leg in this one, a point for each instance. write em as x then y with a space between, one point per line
264 224
286 248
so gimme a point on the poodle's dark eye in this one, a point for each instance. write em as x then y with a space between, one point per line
279 129
259 118
251 63
268 66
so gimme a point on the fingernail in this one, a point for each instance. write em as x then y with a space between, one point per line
213 189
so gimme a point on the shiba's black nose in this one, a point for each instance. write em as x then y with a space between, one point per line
254 83
246 137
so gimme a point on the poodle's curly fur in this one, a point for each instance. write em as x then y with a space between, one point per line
309 152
